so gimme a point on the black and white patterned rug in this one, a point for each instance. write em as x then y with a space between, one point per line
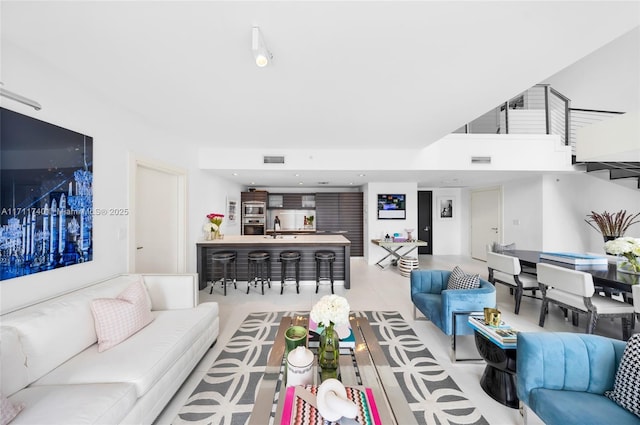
227 392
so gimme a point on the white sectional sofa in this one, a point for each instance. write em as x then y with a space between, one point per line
51 364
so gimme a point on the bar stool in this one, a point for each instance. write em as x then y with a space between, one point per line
286 258
327 257
256 269
225 259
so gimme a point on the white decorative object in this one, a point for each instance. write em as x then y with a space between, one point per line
406 264
333 403
300 367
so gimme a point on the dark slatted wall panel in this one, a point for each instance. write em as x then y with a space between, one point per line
328 212
307 263
351 220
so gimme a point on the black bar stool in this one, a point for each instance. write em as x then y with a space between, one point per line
286 258
327 257
224 259
256 269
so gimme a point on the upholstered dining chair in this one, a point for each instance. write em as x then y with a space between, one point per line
574 290
506 269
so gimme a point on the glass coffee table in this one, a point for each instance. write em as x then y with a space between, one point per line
364 365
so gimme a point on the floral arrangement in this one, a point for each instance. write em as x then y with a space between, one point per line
331 310
213 225
628 248
612 224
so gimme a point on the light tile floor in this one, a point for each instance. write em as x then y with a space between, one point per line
376 289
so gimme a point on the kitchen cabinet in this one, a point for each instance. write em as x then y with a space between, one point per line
261 196
342 213
292 201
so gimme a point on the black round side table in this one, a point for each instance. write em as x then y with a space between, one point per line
499 377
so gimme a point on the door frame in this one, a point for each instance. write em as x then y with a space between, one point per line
136 162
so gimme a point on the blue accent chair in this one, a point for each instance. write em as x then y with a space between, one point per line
430 295
562 378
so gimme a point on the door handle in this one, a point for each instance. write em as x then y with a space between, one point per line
139 247
426 229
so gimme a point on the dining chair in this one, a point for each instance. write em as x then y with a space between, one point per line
506 269
574 290
636 299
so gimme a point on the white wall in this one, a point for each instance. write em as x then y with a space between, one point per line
375 228
607 79
522 213
567 201
115 134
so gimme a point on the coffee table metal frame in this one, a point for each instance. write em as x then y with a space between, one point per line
365 365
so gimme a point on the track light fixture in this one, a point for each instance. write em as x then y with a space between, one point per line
19 98
261 54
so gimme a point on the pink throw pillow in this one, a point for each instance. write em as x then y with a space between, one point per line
116 319
8 410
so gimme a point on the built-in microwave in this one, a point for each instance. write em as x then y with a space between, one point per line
254 209
253 226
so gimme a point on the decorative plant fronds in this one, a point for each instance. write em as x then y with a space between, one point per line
612 224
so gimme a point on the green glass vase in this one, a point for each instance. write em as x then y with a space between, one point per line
329 353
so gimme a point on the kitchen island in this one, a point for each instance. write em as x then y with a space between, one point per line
307 245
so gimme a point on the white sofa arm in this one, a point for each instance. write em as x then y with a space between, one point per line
172 291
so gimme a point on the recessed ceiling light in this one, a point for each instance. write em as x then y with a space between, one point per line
301 183
235 174
361 175
297 175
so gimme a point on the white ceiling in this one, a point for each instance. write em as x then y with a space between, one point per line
354 74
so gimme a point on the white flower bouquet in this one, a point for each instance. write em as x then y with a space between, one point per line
331 310
628 248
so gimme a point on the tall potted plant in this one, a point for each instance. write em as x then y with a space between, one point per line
611 225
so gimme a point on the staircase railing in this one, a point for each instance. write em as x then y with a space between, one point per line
538 110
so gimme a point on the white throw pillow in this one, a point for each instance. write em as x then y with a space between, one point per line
8 410
116 319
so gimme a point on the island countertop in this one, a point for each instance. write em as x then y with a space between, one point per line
279 240
306 244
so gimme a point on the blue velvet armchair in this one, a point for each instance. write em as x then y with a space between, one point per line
431 297
562 378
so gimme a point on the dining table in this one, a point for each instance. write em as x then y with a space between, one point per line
605 276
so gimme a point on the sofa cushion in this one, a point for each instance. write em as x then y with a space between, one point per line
8 410
626 388
75 404
460 280
561 407
116 319
43 329
142 359
13 368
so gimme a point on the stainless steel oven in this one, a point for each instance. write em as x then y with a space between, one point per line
255 209
253 226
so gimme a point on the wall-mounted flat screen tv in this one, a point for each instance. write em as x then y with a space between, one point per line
391 206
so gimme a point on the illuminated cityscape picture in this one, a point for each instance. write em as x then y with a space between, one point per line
46 198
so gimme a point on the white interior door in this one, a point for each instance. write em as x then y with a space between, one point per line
486 220
159 230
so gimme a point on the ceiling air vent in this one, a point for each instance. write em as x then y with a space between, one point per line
273 159
481 160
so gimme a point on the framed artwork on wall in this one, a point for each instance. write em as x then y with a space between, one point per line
46 196
446 207
232 210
